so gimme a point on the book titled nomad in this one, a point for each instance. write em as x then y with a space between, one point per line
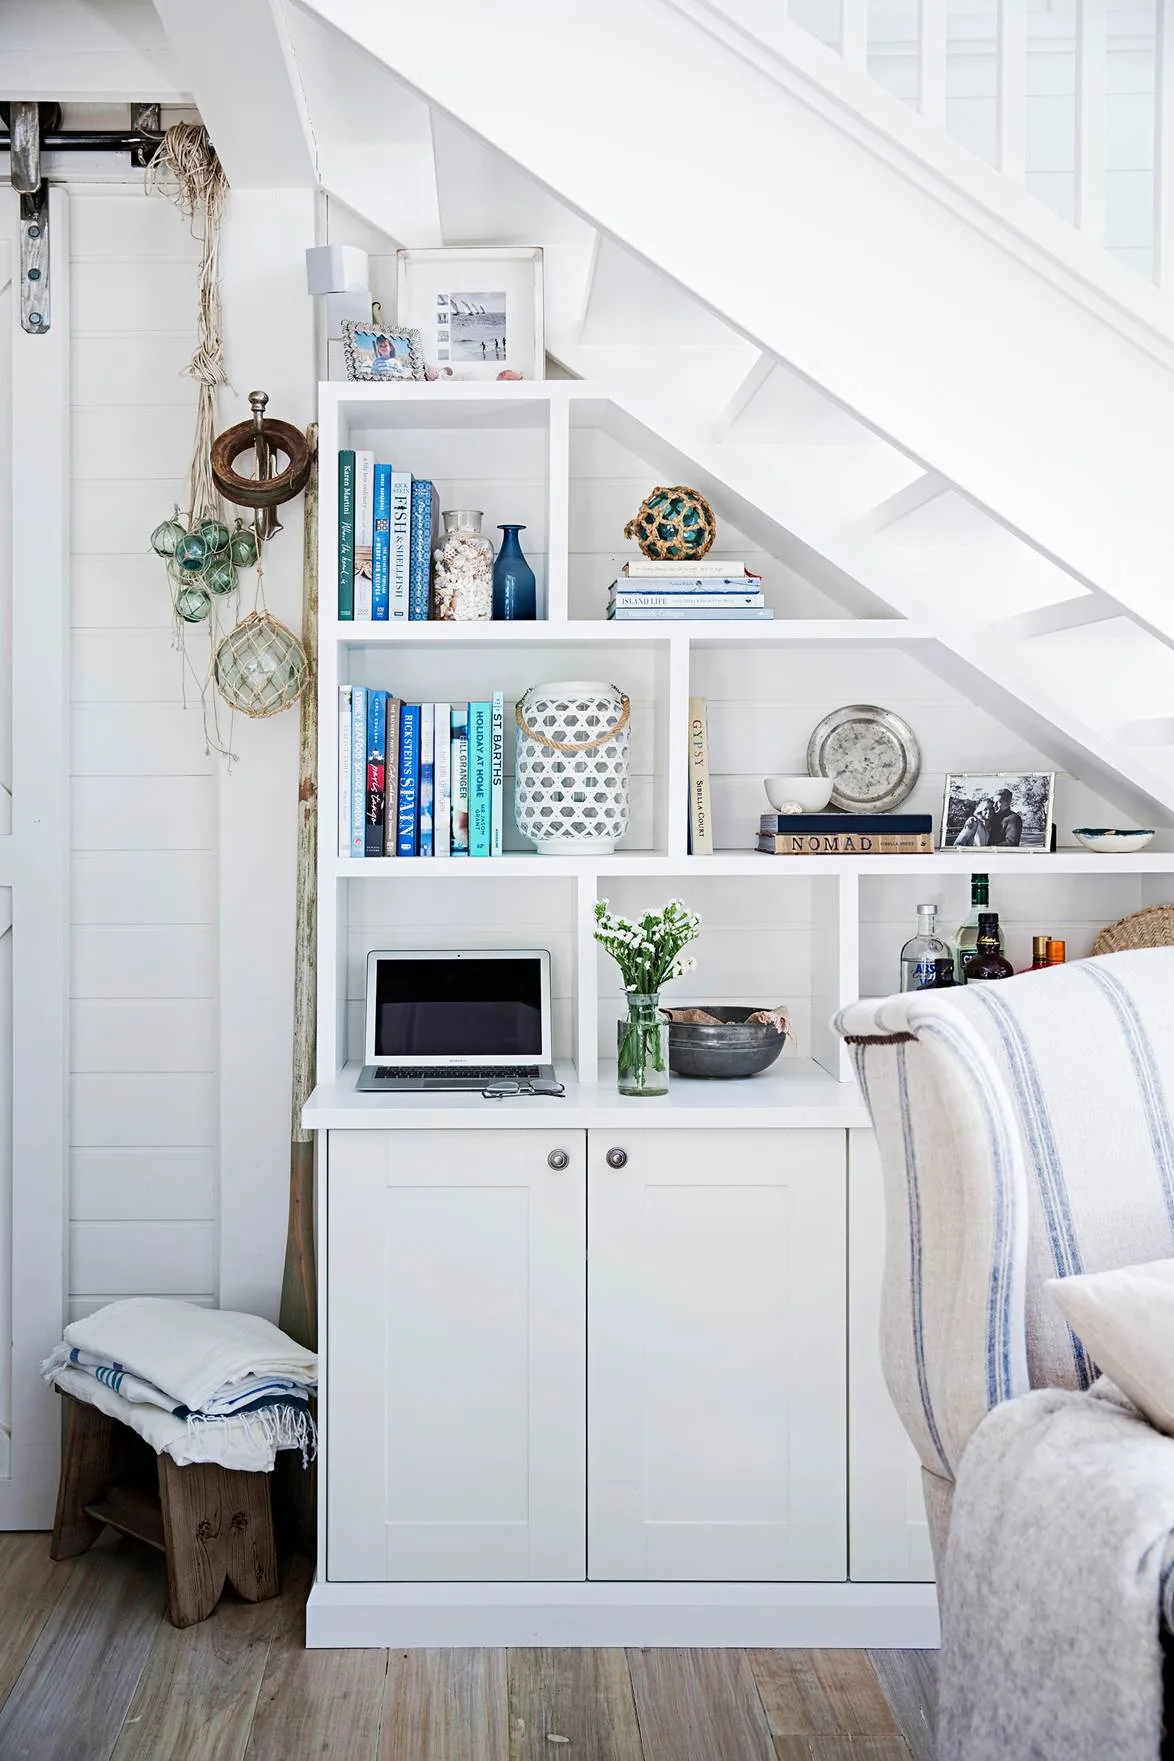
845 844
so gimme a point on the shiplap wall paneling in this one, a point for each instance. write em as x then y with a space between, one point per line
143 1035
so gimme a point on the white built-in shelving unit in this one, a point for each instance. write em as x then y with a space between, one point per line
812 932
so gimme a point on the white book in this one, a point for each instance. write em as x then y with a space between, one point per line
425 794
709 566
442 781
496 772
344 770
364 531
401 526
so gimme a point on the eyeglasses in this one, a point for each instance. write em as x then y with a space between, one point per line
509 1090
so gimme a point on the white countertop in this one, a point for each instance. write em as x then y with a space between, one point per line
795 1095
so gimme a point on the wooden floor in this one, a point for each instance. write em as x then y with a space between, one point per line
91 1671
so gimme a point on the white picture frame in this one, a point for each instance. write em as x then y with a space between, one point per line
479 312
977 814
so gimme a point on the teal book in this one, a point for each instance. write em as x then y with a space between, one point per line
496 772
346 534
480 736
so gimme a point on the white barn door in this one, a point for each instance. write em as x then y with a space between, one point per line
34 844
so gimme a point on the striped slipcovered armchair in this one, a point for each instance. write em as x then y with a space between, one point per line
1026 1132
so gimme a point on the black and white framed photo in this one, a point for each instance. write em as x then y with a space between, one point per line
998 810
479 312
380 352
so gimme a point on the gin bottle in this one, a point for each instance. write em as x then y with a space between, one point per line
921 951
966 941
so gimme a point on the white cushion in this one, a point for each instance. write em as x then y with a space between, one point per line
1125 1319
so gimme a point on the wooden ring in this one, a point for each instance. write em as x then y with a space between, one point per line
266 492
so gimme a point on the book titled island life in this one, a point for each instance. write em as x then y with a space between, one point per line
700 824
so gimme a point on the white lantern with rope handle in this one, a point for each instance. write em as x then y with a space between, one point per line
571 775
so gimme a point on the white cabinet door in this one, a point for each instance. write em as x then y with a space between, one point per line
890 1538
455 1355
716 1376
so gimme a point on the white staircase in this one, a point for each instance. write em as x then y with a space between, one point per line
931 395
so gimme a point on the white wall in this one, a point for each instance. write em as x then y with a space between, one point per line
182 872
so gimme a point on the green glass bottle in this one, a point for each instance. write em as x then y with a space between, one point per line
966 941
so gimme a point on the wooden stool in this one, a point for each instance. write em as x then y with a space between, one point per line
209 1522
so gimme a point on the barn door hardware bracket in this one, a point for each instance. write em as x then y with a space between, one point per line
26 124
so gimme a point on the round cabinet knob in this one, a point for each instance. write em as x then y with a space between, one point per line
558 1160
617 1158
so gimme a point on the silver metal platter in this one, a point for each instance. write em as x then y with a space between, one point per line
871 755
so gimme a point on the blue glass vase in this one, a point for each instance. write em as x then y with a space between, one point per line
514 594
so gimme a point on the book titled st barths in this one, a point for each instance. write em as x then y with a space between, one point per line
700 826
845 844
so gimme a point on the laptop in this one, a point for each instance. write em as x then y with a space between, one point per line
454 1019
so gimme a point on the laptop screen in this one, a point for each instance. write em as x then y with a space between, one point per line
429 1006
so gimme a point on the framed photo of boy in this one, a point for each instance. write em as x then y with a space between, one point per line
479 312
379 352
999 810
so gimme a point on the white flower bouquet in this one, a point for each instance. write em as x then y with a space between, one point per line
648 952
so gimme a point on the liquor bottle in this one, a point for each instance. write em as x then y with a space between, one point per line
1057 953
943 975
921 950
986 961
966 941
1039 953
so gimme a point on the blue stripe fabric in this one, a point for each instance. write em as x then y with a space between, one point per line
915 1267
1000 1375
1150 1086
1040 1137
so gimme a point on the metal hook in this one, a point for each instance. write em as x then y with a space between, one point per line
264 519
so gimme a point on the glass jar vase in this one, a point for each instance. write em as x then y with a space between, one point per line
462 579
642 1046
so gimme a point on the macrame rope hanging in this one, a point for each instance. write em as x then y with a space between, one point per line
202 554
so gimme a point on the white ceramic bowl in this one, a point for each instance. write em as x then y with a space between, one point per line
798 794
1105 839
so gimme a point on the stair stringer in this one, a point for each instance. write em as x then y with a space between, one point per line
1052 416
984 668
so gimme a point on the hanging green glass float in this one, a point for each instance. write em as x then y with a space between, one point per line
243 546
261 667
191 553
166 536
193 604
215 535
219 576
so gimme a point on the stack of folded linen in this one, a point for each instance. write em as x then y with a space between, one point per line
202 1384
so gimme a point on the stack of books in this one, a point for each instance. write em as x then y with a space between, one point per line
712 588
386 527
419 779
846 834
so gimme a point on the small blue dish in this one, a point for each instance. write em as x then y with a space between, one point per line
1108 840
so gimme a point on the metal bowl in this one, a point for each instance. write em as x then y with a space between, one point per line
734 1048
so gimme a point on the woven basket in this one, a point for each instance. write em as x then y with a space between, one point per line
1151 928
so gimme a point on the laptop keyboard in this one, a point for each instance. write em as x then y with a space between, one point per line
463 1072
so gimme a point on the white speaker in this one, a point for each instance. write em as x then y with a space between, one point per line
336 269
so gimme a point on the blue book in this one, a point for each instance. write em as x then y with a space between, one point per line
427 775
459 774
420 549
496 771
376 771
407 831
480 736
381 546
358 770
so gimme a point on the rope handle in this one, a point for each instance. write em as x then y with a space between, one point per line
588 745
